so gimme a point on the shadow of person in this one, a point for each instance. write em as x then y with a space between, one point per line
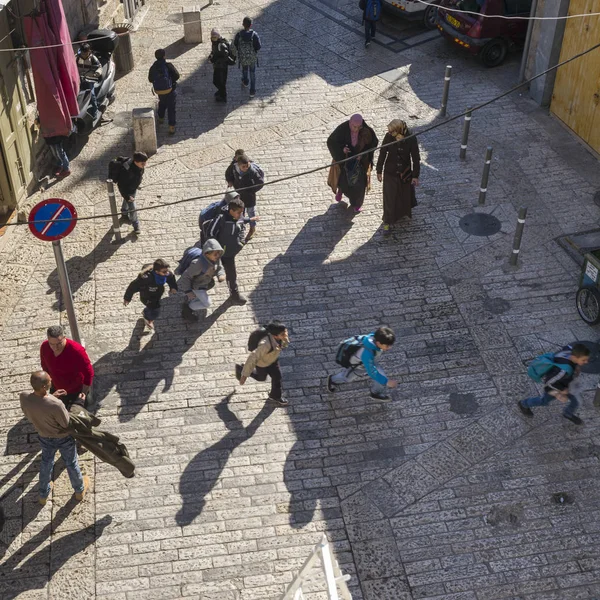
197 481
137 371
81 268
343 289
19 577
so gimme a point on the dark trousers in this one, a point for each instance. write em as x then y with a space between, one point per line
370 30
220 81
166 103
261 373
69 399
230 273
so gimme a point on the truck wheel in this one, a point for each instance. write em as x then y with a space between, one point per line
588 304
494 53
430 16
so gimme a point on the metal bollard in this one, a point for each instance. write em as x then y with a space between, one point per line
465 137
518 235
486 175
113 209
446 91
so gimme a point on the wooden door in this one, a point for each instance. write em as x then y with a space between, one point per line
576 94
15 136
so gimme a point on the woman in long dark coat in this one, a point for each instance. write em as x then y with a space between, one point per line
399 166
351 178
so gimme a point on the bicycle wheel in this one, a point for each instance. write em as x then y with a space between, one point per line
588 304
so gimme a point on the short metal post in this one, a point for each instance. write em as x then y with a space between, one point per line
486 175
465 137
518 235
446 91
65 289
110 186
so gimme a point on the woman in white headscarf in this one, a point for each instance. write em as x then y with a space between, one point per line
399 166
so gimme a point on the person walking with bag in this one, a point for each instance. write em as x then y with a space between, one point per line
221 57
247 44
353 177
371 14
163 76
399 166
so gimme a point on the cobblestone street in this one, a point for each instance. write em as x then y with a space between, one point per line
447 492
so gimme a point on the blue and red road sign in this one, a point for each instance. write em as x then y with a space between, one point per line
52 219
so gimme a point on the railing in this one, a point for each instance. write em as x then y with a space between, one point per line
334 578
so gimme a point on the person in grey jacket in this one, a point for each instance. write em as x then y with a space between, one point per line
198 278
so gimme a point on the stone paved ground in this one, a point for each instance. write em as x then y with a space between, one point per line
445 493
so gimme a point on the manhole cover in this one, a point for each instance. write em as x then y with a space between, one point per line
480 224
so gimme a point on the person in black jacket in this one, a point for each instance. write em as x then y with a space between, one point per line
222 58
228 229
243 173
128 182
163 76
352 178
557 380
150 284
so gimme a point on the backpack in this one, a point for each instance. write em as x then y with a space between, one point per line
540 365
373 10
115 167
255 337
190 254
247 56
347 349
255 170
208 213
231 58
162 83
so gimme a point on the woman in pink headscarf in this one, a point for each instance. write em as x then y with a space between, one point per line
351 178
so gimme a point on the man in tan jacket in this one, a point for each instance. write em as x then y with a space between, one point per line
265 345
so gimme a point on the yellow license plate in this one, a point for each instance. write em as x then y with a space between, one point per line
454 22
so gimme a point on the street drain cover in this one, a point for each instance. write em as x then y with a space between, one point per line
480 224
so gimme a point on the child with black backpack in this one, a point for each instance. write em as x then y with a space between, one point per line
243 173
265 345
557 372
163 76
371 14
358 355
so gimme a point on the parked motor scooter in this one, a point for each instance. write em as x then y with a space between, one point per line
103 43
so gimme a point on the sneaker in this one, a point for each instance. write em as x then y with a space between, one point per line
187 313
574 419
244 85
367 44
79 496
137 230
250 234
252 94
380 396
44 499
238 372
386 230
57 172
171 129
279 401
161 121
237 298
65 173
525 409
331 387
358 209
149 324
338 196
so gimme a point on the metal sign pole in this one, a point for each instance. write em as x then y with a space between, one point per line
65 288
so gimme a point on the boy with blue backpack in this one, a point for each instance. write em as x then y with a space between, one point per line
163 76
358 356
556 372
371 14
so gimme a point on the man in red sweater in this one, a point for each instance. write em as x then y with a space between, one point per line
68 365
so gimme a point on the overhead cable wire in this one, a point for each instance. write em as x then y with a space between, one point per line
329 165
505 17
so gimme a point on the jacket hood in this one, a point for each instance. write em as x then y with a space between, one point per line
146 269
247 34
212 246
369 342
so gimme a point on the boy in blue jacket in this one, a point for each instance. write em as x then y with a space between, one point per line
363 362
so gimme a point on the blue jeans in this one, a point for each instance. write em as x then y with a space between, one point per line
252 71
151 313
166 103
128 209
356 372
62 160
68 451
370 30
251 211
544 400
89 85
